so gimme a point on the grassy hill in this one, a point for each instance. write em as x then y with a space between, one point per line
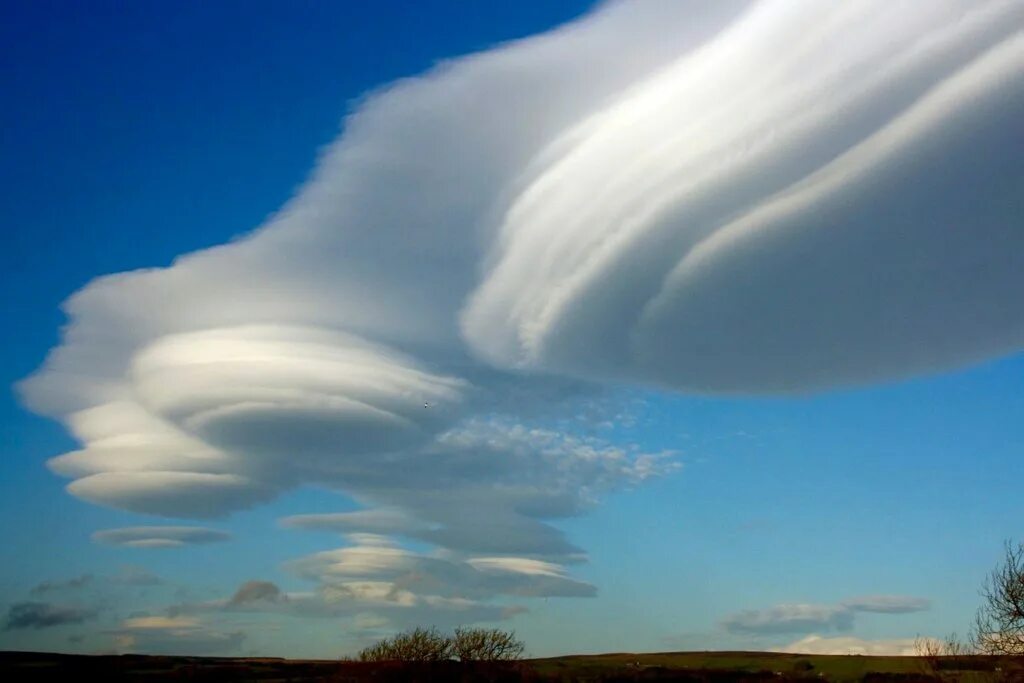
693 667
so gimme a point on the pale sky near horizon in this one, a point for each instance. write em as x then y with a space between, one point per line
632 326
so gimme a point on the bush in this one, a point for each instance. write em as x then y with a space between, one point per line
430 645
486 645
417 645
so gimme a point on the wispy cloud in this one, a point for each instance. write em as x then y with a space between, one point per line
887 604
72 584
791 618
40 615
131 575
159 536
810 618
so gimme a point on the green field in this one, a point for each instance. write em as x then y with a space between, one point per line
695 667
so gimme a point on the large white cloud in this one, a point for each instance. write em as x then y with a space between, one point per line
823 194
724 197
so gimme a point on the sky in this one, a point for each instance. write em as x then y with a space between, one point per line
644 325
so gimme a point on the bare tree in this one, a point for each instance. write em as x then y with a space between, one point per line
932 652
929 649
417 645
486 645
999 622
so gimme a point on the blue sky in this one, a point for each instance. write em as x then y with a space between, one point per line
809 438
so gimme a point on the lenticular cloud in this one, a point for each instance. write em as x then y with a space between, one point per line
821 194
729 197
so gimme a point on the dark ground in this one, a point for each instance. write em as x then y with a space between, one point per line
692 667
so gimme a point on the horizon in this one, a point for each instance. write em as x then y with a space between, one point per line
630 326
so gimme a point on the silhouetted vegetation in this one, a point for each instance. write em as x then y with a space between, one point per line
486 645
430 645
685 667
999 623
417 645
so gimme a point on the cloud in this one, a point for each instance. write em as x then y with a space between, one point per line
795 618
446 575
384 604
848 645
255 592
40 615
378 521
770 214
887 604
807 618
375 580
131 575
72 584
159 623
159 536
513 475
174 635
695 196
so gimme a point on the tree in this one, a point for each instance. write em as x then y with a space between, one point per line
999 622
430 645
936 655
417 645
486 645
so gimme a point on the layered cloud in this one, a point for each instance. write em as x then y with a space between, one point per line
809 618
773 213
374 557
373 579
746 197
159 536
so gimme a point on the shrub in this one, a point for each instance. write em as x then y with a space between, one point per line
417 645
430 645
486 645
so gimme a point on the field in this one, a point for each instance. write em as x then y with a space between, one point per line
710 667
